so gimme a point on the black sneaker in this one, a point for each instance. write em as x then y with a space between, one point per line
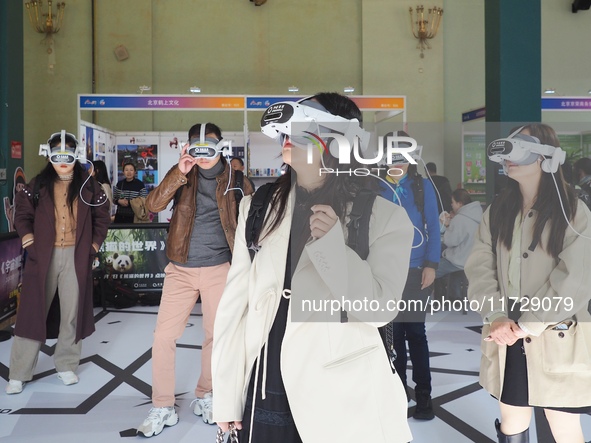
424 409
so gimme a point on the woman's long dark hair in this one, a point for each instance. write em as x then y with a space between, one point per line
508 205
100 172
337 190
48 176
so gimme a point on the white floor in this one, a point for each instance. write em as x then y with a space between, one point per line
112 398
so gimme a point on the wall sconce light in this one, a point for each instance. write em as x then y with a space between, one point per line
144 88
293 89
348 89
46 23
194 90
427 26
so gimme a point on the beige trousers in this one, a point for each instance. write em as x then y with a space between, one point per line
25 352
181 288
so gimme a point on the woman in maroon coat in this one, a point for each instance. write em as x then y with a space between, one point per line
62 223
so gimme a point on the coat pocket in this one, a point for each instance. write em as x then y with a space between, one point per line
566 351
350 357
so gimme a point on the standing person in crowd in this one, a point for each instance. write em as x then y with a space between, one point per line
99 172
199 247
529 270
442 186
126 190
417 196
460 229
582 174
238 165
62 223
262 356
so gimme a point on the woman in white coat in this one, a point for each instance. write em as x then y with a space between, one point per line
308 376
529 271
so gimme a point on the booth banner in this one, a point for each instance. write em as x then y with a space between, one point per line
137 256
11 267
566 103
364 103
154 102
263 102
474 114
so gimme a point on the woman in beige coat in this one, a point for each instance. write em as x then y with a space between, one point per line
309 376
531 276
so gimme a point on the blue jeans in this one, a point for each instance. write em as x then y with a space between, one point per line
410 327
446 267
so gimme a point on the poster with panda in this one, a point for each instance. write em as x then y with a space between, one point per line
136 256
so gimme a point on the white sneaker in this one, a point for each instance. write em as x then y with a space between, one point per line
203 407
157 419
14 387
68 377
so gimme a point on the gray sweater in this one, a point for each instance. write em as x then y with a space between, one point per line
459 235
208 245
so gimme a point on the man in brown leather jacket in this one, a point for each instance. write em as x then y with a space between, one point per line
199 246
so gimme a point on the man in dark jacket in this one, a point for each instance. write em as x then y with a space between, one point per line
199 246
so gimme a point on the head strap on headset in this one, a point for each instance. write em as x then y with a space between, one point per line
307 119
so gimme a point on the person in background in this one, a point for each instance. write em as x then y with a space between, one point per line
529 273
238 165
567 173
126 190
417 196
100 174
61 233
582 174
460 228
442 186
277 379
199 247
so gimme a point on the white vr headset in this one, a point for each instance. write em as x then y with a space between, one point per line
524 149
305 118
209 148
63 154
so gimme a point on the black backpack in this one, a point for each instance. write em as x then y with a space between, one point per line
357 239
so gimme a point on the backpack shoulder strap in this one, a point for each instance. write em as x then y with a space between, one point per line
358 226
238 187
419 195
256 217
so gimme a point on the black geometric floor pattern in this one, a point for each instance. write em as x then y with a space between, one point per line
125 375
